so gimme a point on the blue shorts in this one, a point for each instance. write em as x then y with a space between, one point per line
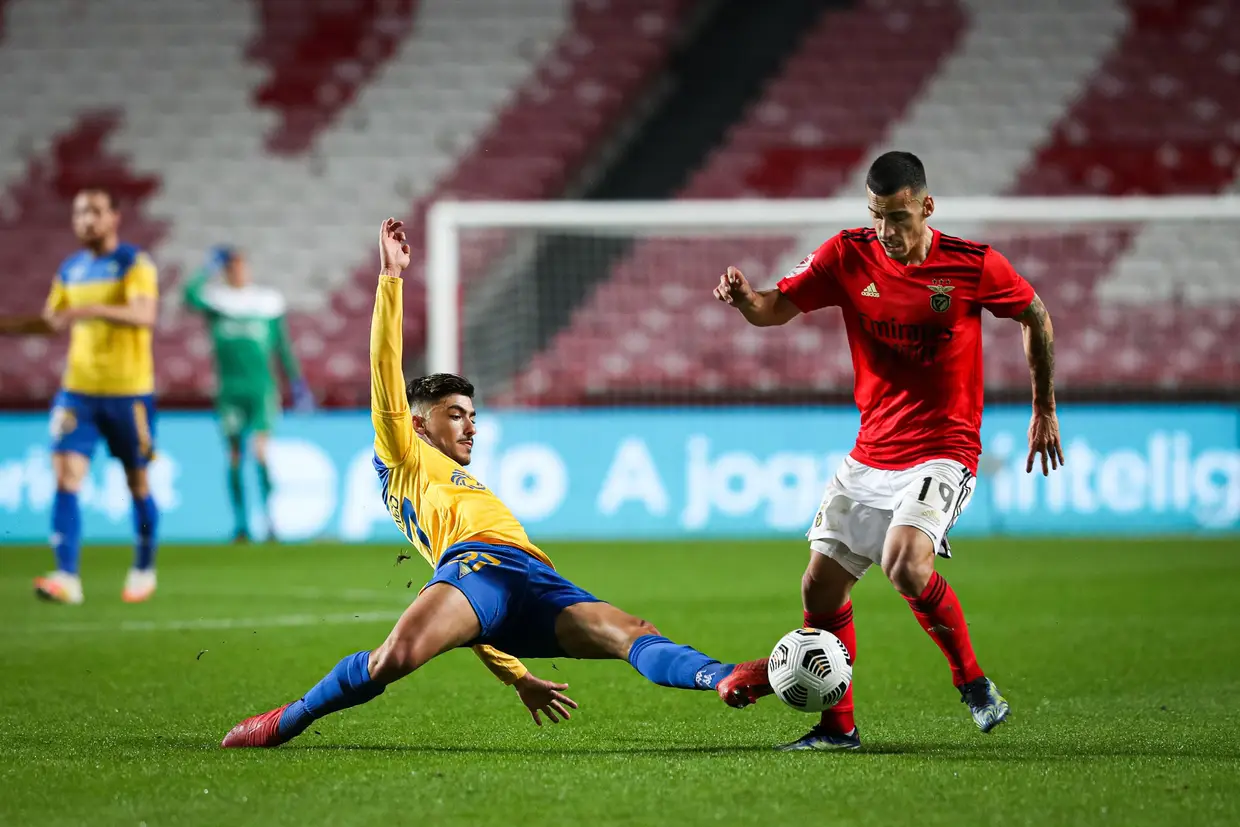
125 423
516 596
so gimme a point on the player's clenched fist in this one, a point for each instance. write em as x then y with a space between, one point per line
734 289
393 248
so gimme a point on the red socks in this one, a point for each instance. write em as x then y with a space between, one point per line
838 719
939 613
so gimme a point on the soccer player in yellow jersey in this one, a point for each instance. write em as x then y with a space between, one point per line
106 296
492 589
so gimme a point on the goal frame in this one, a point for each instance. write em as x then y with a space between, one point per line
446 219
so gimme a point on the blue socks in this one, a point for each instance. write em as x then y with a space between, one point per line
145 521
348 684
682 667
67 530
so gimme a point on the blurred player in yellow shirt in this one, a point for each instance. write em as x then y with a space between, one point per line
105 295
492 589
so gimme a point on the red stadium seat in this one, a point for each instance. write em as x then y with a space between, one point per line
315 58
1158 117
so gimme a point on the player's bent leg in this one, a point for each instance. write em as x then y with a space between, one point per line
600 630
64 585
441 618
908 560
826 595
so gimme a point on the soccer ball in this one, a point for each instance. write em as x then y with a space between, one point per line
810 669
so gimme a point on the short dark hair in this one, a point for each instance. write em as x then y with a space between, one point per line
427 390
894 171
106 192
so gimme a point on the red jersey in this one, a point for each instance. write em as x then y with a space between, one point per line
916 338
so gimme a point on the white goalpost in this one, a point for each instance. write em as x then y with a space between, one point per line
491 258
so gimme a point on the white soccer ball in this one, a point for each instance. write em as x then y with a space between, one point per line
810 670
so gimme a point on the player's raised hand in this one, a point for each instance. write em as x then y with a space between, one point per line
734 289
1044 442
393 248
540 696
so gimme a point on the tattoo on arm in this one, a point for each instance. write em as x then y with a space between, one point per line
1039 338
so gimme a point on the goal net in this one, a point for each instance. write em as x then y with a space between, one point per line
595 303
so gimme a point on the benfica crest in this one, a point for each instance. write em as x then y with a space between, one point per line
941 298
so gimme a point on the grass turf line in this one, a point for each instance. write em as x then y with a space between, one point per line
1119 659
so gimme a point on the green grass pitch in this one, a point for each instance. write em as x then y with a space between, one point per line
1121 661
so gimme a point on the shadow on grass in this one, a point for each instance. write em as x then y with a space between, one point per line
994 753
1025 752
543 750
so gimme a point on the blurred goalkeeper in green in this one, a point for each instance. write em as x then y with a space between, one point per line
247 330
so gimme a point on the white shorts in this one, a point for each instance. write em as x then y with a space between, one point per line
861 503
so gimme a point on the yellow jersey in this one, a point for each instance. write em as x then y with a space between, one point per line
432 499
106 358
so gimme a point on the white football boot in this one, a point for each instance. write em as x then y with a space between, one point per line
59 587
139 585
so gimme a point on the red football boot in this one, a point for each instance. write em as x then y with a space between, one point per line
257 731
746 684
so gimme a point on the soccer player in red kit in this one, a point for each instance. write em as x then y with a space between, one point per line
912 299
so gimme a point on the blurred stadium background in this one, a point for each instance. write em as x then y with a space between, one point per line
290 128
621 403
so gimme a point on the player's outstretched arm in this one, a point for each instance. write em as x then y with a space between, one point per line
539 696
389 409
761 308
1039 337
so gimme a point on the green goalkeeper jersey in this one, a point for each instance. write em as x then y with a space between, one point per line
247 330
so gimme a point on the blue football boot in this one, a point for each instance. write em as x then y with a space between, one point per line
819 739
988 707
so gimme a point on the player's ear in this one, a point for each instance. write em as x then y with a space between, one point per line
927 206
419 425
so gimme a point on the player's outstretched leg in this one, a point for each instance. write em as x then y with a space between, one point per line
441 618
140 582
600 630
908 561
64 585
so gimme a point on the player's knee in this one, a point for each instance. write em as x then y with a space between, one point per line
69 483
825 585
139 485
909 566
626 634
70 470
642 627
814 588
396 658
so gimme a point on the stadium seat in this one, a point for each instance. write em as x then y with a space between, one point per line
274 119
286 127
1135 105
